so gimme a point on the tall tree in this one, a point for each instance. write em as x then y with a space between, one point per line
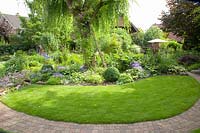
5 29
182 19
35 30
90 18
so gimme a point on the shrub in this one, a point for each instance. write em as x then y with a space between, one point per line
111 74
152 33
138 38
76 78
174 45
2 69
137 73
58 57
124 78
35 77
33 64
188 59
4 58
46 76
34 61
194 66
122 60
135 49
94 79
54 81
174 69
17 63
99 70
164 60
11 49
40 77
47 68
68 70
75 59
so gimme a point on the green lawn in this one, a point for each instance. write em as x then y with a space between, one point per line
3 131
149 99
196 131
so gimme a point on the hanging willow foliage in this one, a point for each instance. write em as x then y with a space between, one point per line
90 18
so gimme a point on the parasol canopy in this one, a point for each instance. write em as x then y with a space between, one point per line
157 41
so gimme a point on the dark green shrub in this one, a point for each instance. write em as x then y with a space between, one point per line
54 81
194 66
47 68
4 58
11 49
46 76
124 78
35 77
40 77
111 74
164 60
74 68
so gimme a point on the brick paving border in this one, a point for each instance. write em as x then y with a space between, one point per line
23 123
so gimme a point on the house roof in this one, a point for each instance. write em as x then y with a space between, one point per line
13 20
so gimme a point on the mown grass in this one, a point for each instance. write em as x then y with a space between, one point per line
4 131
196 131
149 99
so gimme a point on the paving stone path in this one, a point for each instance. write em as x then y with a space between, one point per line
22 123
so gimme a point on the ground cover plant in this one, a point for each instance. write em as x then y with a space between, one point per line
149 99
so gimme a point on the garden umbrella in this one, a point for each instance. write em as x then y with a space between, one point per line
156 41
155 44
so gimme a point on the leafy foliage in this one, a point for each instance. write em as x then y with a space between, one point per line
17 63
54 81
93 78
152 33
124 78
183 20
141 38
111 74
11 49
174 45
89 19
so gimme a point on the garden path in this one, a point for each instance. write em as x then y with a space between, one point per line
22 123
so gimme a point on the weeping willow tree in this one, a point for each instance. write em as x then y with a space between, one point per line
91 19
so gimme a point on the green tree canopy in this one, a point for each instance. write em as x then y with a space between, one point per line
141 38
90 18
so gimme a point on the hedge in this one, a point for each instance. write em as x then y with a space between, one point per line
12 48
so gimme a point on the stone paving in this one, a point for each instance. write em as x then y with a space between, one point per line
22 123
